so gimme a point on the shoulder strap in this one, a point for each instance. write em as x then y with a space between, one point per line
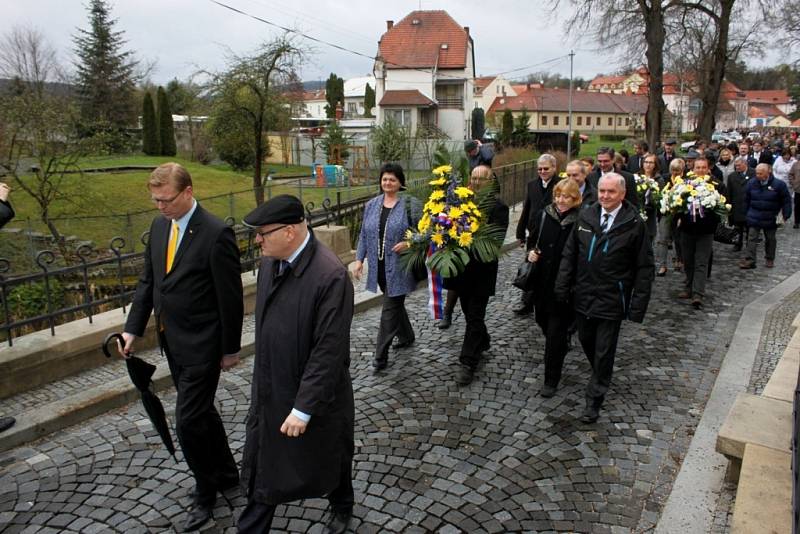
541 225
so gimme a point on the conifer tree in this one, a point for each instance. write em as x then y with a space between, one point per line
150 144
166 129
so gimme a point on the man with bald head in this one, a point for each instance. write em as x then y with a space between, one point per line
765 198
606 272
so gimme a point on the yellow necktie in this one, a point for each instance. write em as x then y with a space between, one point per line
172 245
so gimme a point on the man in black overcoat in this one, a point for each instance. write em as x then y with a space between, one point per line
606 269
192 283
299 431
605 165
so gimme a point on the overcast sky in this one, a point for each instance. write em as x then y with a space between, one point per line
182 36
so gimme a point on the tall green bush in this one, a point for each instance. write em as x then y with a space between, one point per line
166 129
150 141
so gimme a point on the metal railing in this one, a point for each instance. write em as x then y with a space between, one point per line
102 280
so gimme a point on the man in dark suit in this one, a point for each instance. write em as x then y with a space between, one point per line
667 156
640 148
576 171
538 195
605 165
759 155
299 436
192 282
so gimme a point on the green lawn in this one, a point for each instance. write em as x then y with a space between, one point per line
100 206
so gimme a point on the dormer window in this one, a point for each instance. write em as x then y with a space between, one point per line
444 46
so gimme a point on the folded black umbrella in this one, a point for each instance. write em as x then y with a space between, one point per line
141 374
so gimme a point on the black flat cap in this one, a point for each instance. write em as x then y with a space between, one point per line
693 154
670 142
282 209
470 145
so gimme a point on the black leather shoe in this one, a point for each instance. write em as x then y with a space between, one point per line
6 423
338 522
402 344
379 365
547 391
525 309
196 518
464 375
590 414
446 321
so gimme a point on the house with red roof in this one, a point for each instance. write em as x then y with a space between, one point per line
424 74
776 97
487 88
592 112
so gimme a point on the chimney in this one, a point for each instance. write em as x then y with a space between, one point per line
466 29
528 86
389 24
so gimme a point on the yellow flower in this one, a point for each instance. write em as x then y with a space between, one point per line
443 169
464 192
438 181
562 175
728 207
722 198
423 224
465 239
436 195
437 239
474 225
710 188
473 208
690 187
694 192
453 232
678 201
436 207
455 212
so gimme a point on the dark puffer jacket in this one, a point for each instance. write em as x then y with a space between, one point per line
610 273
765 200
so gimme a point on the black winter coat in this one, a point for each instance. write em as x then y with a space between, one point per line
608 274
6 213
536 198
479 278
737 186
554 234
302 359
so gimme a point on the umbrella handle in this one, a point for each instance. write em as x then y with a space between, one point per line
109 337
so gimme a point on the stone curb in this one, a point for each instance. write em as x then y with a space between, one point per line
692 500
55 416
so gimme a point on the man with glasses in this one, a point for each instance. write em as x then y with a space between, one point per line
539 195
299 435
192 283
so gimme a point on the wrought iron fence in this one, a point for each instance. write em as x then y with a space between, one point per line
101 280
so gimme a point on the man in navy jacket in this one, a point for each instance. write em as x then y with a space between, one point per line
765 198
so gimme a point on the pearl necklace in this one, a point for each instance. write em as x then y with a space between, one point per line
382 248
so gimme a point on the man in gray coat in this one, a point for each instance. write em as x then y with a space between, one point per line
299 431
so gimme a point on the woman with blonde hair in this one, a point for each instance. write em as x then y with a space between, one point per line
545 245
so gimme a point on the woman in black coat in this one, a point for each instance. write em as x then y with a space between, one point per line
477 283
545 246
6 211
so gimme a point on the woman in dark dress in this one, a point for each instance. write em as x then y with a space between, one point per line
382 239
477 283
545 246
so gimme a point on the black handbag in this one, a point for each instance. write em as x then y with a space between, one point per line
526 272
725 234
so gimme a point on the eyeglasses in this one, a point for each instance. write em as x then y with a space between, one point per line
157 201
543 169
265 234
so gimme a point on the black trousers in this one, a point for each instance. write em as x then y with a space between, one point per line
256 518
796 208
555 326
697 261
599 341
199 427
394 323
476 336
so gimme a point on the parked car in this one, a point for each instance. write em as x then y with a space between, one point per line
688 145
754 135
719 137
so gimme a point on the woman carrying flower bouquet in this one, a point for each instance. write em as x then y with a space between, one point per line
476 283
382 239
649 183
550 232
667 231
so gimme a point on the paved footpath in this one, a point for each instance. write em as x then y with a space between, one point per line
430 456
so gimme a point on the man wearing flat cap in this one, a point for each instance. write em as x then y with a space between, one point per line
192 284
666 157
299 441
478 154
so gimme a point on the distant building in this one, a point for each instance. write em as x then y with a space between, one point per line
312 105
424 74
487 88
354 91
777 97
592 112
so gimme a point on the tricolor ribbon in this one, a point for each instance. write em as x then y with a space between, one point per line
435 300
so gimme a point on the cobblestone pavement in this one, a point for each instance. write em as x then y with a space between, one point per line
430 456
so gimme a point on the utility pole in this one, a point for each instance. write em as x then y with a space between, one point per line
569 108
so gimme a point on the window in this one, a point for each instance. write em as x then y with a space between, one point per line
544 120
597 121
580 120
567 119
450 96
400 116
619 121
555 120
611 121
588 121
627 121
352 107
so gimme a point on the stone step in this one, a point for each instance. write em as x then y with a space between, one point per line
755 420
783 381
764 495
